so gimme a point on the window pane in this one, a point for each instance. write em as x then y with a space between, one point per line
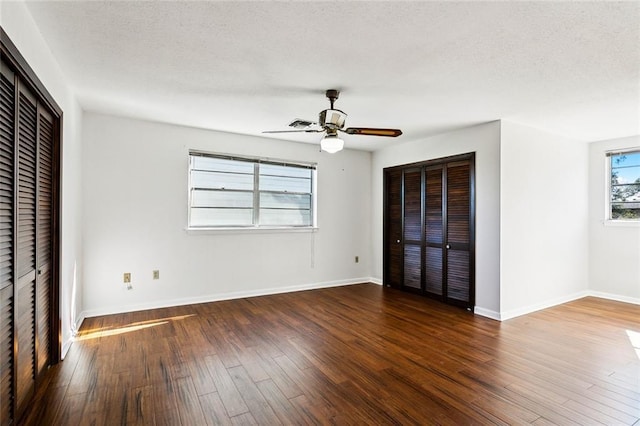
625 192
625 210
285 184
291 171
204 198
221 165
216 180
221 217
285 178
625 168
278 217
285 201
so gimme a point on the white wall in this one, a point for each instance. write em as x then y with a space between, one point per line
544 232
22 30
135 192
484 140
614 251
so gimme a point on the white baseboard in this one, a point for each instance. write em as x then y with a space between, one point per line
375 280
488 313
67 344
543 305
503 316
616 297
218 297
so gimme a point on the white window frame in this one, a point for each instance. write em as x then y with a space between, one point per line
608 220
255 227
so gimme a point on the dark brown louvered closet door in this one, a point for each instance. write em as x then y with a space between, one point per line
437 228
393 228
29 313
458 232
7 241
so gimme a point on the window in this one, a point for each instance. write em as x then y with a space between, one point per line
624 188
233 192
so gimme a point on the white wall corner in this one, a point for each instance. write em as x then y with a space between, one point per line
535 175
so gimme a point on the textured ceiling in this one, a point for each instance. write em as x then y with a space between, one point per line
572 68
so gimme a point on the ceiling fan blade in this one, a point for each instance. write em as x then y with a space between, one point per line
370 131
300 123
295 131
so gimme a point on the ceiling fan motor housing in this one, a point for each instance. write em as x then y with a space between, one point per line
332 119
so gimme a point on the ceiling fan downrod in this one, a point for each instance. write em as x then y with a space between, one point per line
332 94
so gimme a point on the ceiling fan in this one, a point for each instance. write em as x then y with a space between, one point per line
331 121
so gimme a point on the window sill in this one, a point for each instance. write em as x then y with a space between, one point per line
249 230
622 223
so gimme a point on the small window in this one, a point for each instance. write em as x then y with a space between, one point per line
624 188
239 192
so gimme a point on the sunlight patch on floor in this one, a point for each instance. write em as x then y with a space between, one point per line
634 338
140 325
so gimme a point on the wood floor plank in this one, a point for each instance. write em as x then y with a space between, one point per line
253 398
199 373
310 413
189 406
359 354
285 378
624 403
251 361
229 394
213 409
141 403
601 413
537 403
245 419
70 412
287 414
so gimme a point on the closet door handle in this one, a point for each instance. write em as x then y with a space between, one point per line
448 246
398 241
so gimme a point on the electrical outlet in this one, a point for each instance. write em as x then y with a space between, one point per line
127 277
156 274
357 259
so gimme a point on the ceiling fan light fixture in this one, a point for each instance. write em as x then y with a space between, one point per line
331 144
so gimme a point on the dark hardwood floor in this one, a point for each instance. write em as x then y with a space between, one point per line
358 354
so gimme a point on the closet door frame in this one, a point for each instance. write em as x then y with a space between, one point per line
424 165
27 78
